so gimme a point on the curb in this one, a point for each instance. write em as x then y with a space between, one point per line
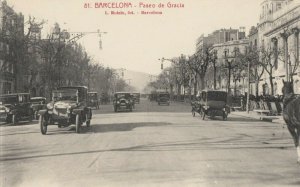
279 121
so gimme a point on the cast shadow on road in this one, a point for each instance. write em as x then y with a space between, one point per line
230 118
116 127
20 123
103 128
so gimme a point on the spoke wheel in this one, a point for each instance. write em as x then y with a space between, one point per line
225 115
202 114
78 123
43 124
193 113
88 121
14 119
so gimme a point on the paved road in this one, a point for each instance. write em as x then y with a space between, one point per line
152 146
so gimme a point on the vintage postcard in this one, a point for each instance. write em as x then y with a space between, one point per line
148 93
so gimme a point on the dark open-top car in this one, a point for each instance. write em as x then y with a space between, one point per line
93 99
163 98
15 107
123 101
211 103
37 104
69 106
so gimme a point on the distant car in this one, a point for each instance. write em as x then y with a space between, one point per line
123 101
37 104
136 97
69 106
163 98
14 107
212 103
93 99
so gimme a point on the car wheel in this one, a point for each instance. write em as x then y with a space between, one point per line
193 113
88 123
202 114
31 116
43 124
225 115
14 119
59 126
78 123
36 115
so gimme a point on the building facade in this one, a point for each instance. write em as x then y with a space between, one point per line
229 75
278 31
11 25
220 36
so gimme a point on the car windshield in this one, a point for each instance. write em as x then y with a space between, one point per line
8 99
70 94
216 96
93 96
37 100
163 95
123 95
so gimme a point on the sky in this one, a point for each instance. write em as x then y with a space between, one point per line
136 42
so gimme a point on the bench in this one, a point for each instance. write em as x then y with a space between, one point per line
264 115
262 112
268 118
237 108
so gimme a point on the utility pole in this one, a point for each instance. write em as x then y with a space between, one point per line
122 72
248 85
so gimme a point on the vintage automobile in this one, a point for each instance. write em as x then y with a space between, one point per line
163 98
211 103
69 106
136 97
37 104
123 101
93 99
15 107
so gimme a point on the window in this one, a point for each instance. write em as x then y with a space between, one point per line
275 89
1 64
278 6
20 98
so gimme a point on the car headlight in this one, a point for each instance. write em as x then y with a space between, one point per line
118 102
206 107
6 109
50 106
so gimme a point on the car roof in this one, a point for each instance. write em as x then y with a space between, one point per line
72 87
38 98
207 90
122 92
14 94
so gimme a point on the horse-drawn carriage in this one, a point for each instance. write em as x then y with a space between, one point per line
211 103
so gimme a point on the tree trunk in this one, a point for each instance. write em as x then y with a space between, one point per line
271 84
215 77
256 87
195 87
202 82
234 88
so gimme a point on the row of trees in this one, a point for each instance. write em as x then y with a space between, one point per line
204 69
41 65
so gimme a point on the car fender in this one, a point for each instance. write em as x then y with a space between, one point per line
42 112
13 112
77 111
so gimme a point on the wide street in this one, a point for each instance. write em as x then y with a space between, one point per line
151 146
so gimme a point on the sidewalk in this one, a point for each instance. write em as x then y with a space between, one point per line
254 115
